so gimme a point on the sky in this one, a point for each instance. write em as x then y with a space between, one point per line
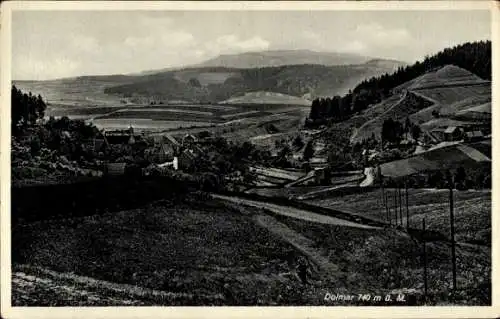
56 44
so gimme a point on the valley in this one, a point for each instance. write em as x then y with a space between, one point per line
217 184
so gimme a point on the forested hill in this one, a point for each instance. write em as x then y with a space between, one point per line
474 57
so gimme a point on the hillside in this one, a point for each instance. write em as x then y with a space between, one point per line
215 84
456 94
466 65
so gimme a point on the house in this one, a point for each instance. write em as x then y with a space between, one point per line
474 136
164 148
189 139
453 133
121 136
438 134
100 145
319 175
186 159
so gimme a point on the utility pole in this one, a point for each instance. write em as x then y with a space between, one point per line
396 205
407 209
452 230
425 260
387 210
400 206
379 175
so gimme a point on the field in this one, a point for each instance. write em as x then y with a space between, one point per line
472 210
216 253
377 261
450 75
182 116
267 98
209 250
448 157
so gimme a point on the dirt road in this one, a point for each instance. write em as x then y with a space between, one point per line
293 212
301 243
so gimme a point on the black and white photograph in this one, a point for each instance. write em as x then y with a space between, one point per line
242 157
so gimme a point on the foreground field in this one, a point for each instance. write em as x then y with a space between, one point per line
207 251
227 253
472 210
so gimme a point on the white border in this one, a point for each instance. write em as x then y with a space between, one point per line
232 312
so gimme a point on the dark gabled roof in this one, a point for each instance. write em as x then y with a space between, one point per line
163 148
189 154
191 136
100 142
197 149
171 139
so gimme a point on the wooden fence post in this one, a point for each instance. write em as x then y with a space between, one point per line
407 209
425 260
396 205
452 231
400 206
387 210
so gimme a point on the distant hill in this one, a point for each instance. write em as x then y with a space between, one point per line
215 84
250 60
272 58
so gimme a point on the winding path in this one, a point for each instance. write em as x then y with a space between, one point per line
293 212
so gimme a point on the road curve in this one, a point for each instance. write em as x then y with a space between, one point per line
293 212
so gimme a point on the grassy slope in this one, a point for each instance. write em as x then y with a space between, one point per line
213 254
443 158
472 210
379 261
450 88
195 250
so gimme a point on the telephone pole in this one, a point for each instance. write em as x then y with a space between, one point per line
452 231
425 260
407 209
400 206
396 204
387 210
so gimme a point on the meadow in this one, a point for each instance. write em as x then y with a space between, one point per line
472 210
187 249
208 252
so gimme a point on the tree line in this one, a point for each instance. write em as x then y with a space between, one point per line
474 57
26 110
393 131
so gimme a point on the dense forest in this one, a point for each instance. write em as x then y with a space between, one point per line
474 57
224 83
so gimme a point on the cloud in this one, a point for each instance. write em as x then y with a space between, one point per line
36 68
172 39
231 43
84 43
375 40
376 34
355 46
